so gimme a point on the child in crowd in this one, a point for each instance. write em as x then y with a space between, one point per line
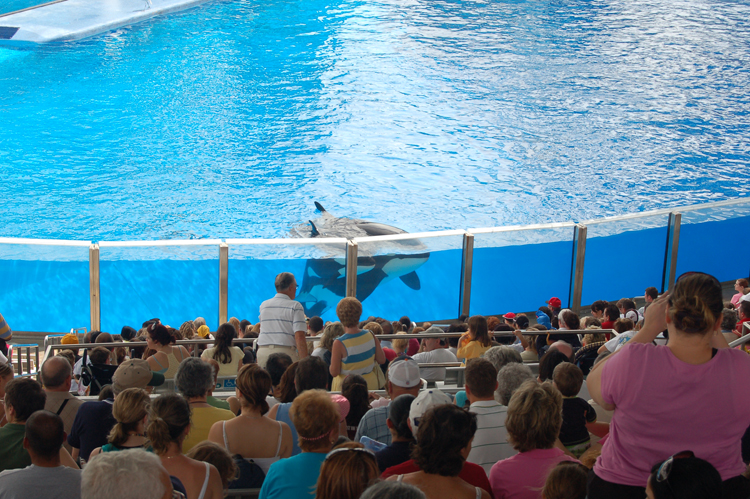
476 340
567 480
578 416
625 329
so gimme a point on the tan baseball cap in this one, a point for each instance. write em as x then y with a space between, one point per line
135 373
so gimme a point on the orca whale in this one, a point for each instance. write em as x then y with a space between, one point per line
324 279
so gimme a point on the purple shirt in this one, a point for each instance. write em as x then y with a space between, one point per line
523 475
664 406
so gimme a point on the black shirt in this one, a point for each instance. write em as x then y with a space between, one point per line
394 454
576 413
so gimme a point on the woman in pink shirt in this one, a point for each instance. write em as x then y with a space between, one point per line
533 424
667 399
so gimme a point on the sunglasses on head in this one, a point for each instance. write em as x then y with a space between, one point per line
662 474
347 449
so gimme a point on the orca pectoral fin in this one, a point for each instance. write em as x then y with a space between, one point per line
412 280
319 207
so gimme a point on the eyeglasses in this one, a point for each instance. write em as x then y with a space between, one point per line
347 449
662 474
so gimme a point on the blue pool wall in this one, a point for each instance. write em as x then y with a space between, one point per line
53 296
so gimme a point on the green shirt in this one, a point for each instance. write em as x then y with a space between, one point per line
12 453
213 401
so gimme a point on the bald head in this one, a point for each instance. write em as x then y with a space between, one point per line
562 347
56 373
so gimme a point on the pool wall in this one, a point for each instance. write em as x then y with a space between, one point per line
53 286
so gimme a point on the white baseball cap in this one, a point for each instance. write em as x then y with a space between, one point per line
424 401
404 372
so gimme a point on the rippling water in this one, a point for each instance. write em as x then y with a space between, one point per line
232 118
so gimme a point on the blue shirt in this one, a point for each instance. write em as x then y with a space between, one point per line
282 414
373 424
293 478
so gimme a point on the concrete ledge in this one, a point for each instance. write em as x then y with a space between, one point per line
76 19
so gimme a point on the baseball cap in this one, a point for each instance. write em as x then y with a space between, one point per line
424 401
510 316
554 302
69 339
135 373
404 372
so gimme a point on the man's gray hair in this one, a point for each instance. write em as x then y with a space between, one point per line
392 490
283 281
123 475
509 378
55 371
198 322
502 356
194 378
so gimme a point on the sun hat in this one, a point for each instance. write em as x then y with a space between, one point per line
424 401
69 339
203 331
404 372
343 405
135 373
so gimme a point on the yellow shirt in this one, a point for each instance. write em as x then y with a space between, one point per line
471 350
202 420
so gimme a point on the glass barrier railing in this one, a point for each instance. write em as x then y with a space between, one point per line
519 268
418 275
172 280
715 239
319 266
624 256
44 284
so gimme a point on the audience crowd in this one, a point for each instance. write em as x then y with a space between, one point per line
626 402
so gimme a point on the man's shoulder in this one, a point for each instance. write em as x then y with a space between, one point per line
375 412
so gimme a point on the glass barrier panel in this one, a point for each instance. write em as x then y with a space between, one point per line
715 240
174 282
518 270
319 266
45 287
624 256
406 275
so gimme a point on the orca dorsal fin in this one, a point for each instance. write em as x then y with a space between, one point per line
315 231
319 207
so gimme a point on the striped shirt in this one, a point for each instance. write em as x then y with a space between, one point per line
360 353
491 439
280 318
5 332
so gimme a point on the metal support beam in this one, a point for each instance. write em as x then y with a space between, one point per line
670 258
467 263
223 282
94 296
576 272
351 269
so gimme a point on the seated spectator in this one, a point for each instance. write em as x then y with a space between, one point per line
475 341
590 322
611 314
346 472
194 379
310 375
330 333
491 439
453 342
444 438
585 356
168 427
94 420
533 424
744 316
729 320
598 308
357 351
625 330
130 410
696 369
509 378
46 478
23 397
126 475
402 439
287 390
403 377
434 350
578 416
567 480
564 347
529 353
567 320
684 476
167 358
355 391
230 403
6 374
505 334
399 346
392 490
254 437
549 362
739 286
502 355
215 455
57 377
316 419
228 356
627 310
277 364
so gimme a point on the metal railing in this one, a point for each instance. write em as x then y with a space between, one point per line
21 354
668 219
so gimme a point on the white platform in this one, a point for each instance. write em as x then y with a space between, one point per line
76 19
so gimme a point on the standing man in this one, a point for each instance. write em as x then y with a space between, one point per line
282 322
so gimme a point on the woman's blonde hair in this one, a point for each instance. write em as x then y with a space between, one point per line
315 416
696 303
593 338
214 454
330 333
534 416
374 328
349 310
254 383
130 407
168 418
347 472
187 330
401 344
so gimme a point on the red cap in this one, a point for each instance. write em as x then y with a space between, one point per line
554 302
510 315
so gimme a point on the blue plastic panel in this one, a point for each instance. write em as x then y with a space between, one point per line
419 278
518 271
716 241
319 269
44 288
624 257
173 283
